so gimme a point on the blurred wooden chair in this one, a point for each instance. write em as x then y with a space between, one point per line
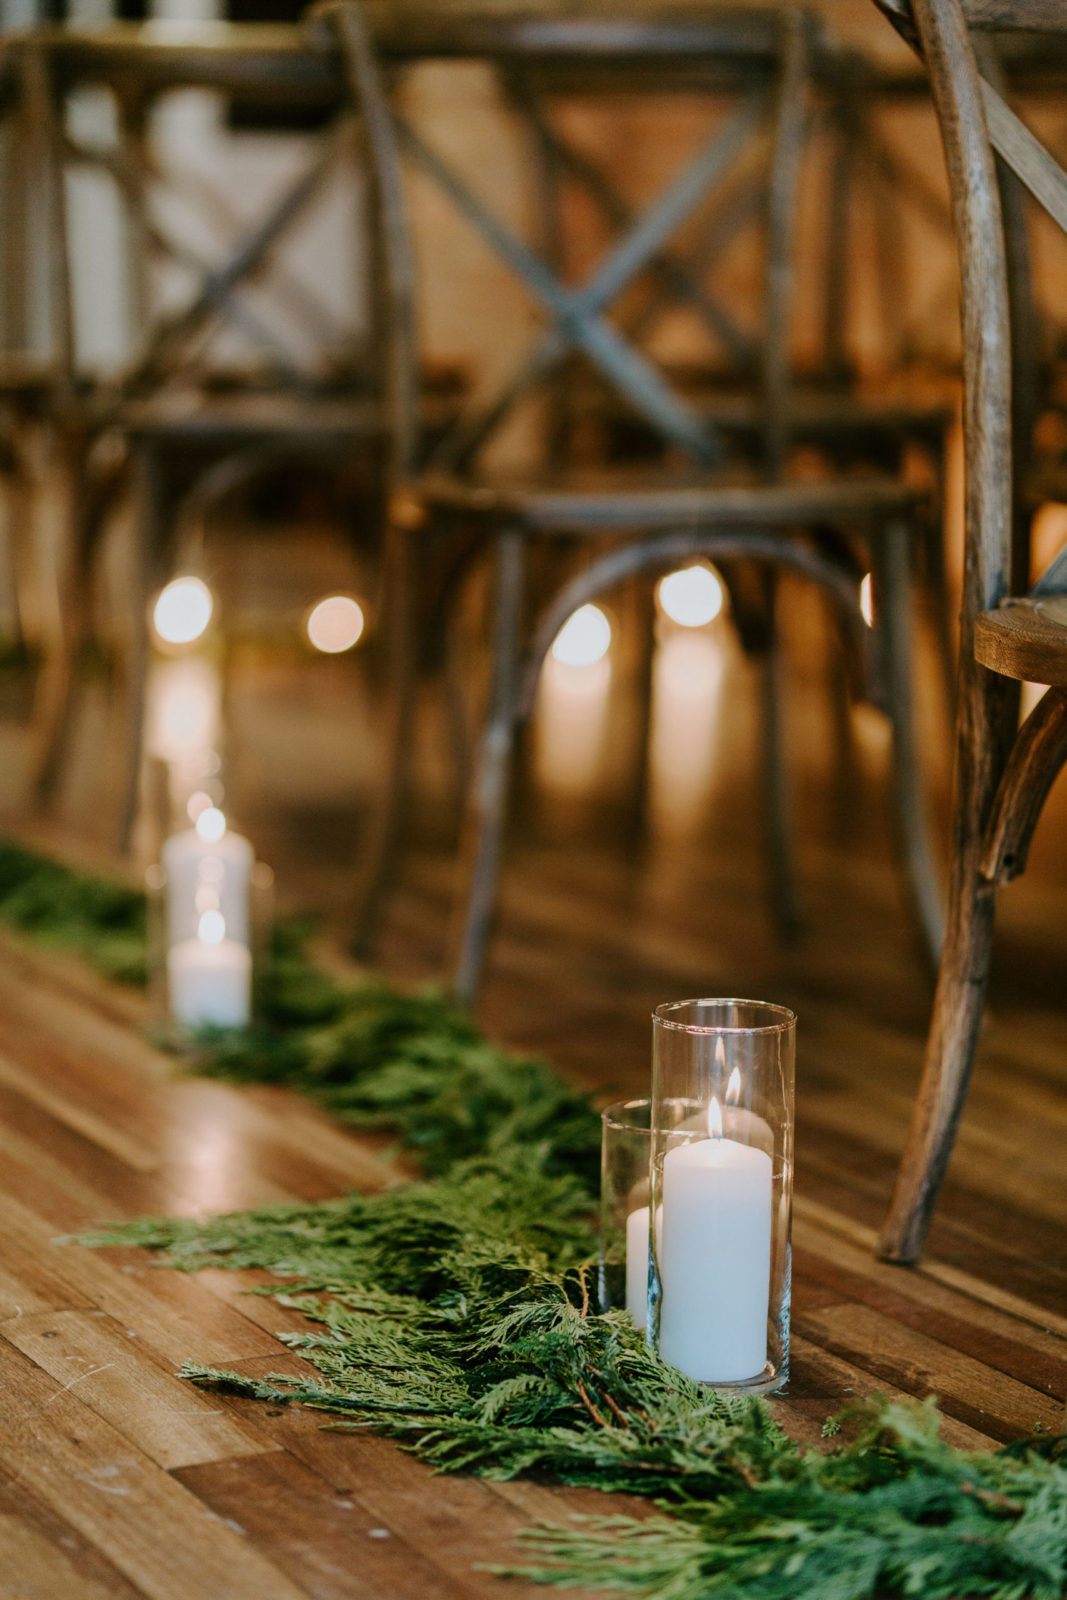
759 521
1012 631
170 418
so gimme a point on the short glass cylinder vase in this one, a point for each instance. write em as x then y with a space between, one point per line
625 1161
721 1189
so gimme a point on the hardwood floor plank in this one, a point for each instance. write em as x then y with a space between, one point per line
34 1567
1005 1343
123 1285
326 1541
451 1522
171 1421
822 1383
152 1529
988 1401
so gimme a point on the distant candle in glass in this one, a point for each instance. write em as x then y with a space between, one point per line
210 977
208 855
715 1256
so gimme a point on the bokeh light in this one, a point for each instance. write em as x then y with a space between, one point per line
335 624
211 825
692 597
584 638
182 611
197 803
867 600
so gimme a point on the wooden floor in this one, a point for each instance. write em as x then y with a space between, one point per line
117 1479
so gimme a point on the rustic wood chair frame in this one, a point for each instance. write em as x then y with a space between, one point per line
1002 773
757 524
50 63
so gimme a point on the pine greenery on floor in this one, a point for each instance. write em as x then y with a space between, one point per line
453 1313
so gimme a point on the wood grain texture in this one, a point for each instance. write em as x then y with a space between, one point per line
1036 761
1022 641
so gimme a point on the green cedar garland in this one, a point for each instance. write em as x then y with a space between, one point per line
454 1314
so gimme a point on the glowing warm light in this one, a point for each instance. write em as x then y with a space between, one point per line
211 929
584 638
197 803
867 601
692 597
688 739
183 714
182 611
335 624
207 897
714 1119
211 825
571 724
733 1088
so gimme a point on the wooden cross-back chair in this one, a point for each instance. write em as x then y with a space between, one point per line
188 430
1012 630
636 525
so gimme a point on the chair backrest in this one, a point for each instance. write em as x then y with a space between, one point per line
984 139
773 46
231 245
393 309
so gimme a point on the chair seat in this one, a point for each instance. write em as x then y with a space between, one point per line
613 502
26 377
816 414
269 417
819 416
1025 639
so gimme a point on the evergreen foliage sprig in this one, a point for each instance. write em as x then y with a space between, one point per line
455 1315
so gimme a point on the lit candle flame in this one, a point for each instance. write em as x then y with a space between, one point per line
212 927
733 1088
714 1119
211 825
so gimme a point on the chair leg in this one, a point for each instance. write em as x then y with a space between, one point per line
66 604
958 1005
382 835
982 737
487 798
635 819
776 799
153 540
892 599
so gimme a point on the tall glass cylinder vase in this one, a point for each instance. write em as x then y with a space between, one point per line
721 1189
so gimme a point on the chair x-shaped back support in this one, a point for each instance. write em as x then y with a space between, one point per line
168 339
577 315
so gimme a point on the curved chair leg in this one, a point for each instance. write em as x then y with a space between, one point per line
958 1005
892 577
487 799
960 995
381 843
1037 758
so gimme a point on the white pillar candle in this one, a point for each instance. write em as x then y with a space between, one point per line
210 978
637 1243
715 1258
637 1265
208 869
